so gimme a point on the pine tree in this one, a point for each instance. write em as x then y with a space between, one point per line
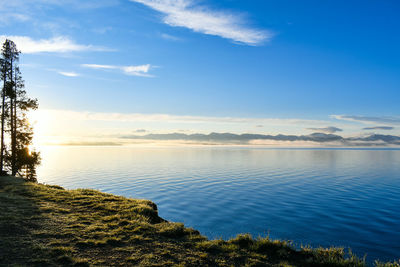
16 156
5 69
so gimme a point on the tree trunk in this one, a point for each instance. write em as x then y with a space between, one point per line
3 95
14 123
13 170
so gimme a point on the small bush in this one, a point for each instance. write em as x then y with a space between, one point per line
242 240
174 230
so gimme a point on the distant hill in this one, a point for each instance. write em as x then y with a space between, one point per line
227 137
323 138
390 139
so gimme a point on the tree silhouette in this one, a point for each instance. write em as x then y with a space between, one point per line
16 157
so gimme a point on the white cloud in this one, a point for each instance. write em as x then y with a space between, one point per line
59 44
140 70
97 66
68 74
183 13
369 119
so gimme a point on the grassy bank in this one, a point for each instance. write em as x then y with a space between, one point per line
47 225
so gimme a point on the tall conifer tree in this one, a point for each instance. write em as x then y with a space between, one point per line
16 156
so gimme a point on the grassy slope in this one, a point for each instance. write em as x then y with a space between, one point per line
47 225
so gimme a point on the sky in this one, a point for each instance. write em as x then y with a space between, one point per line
107 68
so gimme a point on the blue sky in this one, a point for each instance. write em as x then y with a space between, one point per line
258 66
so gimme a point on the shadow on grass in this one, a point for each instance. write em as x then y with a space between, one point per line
26 228
20 215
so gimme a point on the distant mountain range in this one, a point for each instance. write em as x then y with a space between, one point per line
372 140
390 139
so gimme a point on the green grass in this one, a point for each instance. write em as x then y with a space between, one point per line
42 225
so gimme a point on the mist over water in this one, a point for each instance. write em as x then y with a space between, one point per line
321 197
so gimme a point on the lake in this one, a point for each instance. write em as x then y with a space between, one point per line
348 198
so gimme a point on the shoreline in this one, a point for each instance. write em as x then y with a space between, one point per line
49 225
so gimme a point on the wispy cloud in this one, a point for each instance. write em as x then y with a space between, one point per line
328 130
168 118
140 70
103 30
8 17
77 4
170 37
98 66
386 128
369 119
69 74
59 44
184 13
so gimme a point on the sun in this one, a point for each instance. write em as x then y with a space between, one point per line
40 121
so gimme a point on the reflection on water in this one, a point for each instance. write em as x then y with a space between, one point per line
344 198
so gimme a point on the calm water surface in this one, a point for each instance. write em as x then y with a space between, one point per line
347 198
